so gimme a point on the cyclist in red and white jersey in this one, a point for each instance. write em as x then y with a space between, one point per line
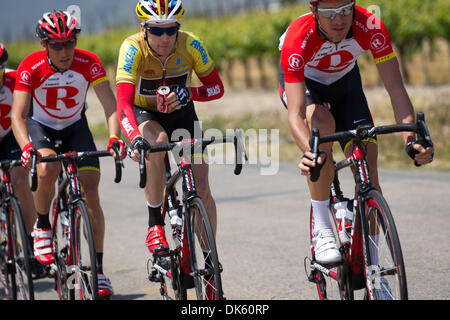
49 105
10 150
321 87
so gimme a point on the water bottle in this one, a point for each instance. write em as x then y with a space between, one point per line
345 218
176 223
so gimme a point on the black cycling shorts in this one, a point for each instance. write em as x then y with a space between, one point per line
180 124
344 98
9 148
76 137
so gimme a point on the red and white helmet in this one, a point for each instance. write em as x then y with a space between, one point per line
159 11
57 25
3 54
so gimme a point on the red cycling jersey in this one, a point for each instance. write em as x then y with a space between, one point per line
59 98
6 100
305 52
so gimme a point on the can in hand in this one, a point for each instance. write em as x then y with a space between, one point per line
161 99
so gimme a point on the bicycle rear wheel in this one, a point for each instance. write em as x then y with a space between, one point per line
21 253
332 286
85 260
203 253
385 270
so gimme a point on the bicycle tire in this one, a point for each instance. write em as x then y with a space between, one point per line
22 253
7 272
61 251
85 259
388 263
207 281
329 288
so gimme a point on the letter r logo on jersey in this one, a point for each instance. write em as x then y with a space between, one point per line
377 41
65 94
296 61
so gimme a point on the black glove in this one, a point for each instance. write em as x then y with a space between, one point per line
182 94
138 143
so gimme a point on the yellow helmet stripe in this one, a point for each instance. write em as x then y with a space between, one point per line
159 8
167 7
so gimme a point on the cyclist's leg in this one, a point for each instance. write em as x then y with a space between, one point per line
90 179
155 134
47 173
318 116
153 130
202 184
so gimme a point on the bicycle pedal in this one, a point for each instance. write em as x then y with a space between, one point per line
154 276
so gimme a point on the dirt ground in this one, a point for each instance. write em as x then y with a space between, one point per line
245 101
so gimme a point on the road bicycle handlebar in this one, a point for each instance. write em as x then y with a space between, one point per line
195 143
367 131
75 156
5 165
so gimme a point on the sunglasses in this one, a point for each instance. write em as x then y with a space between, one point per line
59 45
331 13
157 31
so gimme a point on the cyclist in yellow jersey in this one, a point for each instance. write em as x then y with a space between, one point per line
163 55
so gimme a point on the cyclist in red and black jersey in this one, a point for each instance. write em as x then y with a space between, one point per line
49 105
321 87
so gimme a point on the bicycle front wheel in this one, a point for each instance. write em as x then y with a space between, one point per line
85 260
62 248
203 253
385 270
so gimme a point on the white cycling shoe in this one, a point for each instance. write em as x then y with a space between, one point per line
325 248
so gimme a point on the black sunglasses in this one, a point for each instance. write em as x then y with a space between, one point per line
157 31
59 45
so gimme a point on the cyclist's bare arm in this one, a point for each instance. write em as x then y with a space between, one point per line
403 109
20 110
296 104
108 101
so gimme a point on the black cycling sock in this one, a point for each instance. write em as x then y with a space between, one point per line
154 216
99 262
43 221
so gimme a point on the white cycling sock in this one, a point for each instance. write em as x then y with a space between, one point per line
321 216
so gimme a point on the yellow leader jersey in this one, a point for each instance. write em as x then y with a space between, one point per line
139 65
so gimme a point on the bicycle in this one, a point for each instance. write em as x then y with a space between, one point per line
15 248
372 260
75 266
192 261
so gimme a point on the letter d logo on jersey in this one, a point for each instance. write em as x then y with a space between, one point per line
296 61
